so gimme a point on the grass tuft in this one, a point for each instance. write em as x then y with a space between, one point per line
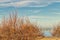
14 28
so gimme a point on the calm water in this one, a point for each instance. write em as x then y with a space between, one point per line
47 33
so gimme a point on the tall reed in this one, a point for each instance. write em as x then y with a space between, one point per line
14 28
56 31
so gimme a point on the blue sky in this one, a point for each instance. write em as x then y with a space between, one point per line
44 12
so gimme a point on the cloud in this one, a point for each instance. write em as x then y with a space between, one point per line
34 11
5 0
44 17
46 21
38 17
28 3
2 1
57 13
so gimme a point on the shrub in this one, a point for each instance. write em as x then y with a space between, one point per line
14 28
56 31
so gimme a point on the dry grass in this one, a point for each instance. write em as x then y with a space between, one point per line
14 28
48 38
56 31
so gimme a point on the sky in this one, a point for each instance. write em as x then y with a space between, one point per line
44 12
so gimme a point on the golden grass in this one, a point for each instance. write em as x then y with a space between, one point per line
56 31
14 28
48 38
